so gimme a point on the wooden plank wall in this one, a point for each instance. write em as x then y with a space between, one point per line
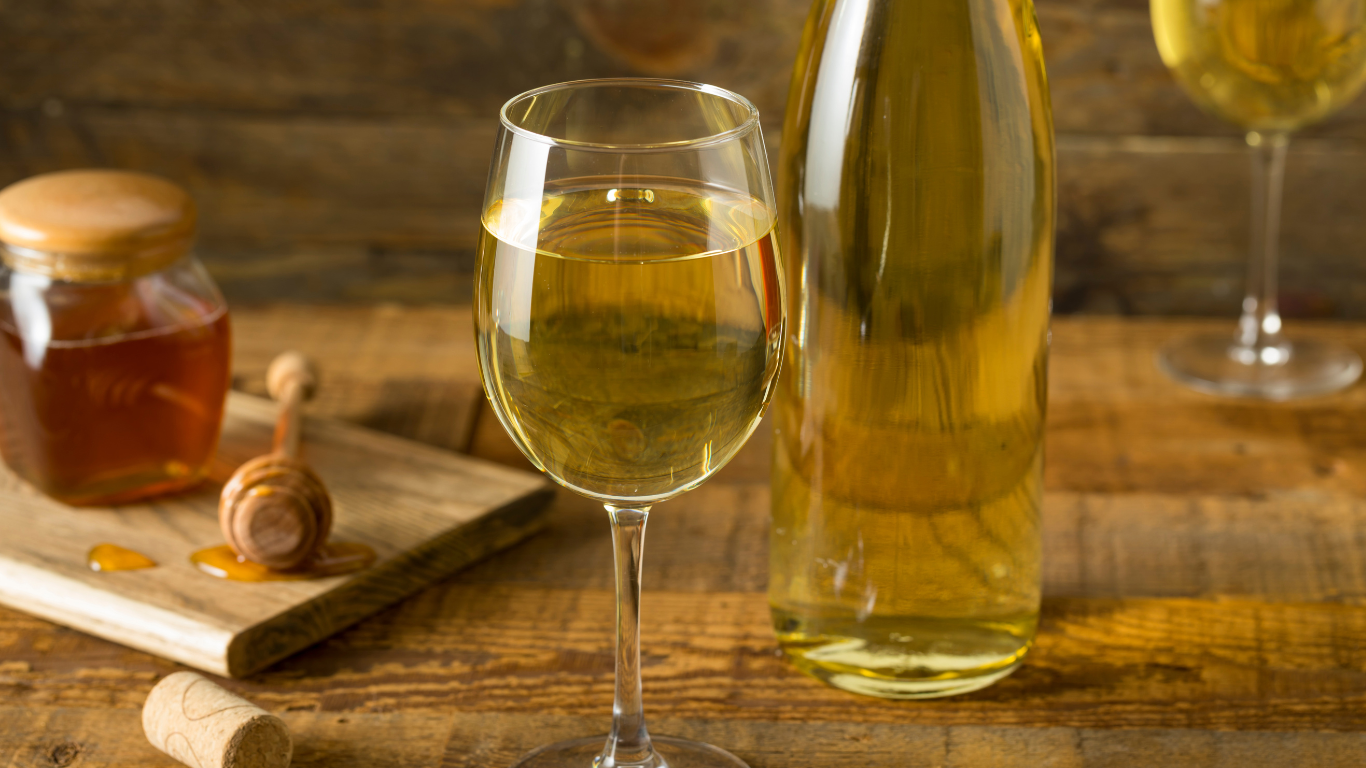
339 148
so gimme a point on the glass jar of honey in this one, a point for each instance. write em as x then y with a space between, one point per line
114 340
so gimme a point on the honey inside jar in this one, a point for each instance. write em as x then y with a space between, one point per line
114 361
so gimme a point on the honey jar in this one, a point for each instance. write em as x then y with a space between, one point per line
114 340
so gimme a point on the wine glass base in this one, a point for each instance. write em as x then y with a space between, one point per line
675 753
1218 365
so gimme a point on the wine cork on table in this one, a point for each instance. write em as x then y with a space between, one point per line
202 725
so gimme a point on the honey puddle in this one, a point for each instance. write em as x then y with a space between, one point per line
112 557
335 559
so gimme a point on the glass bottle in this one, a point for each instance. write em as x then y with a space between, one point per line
916 190
114 341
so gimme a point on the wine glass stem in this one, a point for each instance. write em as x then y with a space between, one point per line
629 743
1259 329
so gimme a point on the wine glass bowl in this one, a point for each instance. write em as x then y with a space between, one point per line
1270 67
638 355
629 320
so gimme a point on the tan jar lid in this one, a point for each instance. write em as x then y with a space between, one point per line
94 225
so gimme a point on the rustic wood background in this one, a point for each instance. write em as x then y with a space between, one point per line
339 148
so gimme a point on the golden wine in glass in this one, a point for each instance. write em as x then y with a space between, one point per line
630 321
1270 67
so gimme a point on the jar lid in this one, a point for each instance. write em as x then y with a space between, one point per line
94 225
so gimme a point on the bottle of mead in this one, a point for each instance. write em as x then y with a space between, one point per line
916 210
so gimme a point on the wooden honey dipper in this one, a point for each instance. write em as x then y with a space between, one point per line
275 510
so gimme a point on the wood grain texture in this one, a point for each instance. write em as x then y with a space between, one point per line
1205 595
385 57
425 512
339 152
467 740
388 209
1159 226
388 57
1098 663
1117 425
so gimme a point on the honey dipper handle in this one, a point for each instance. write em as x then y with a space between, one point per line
291 380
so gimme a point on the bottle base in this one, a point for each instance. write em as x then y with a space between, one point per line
905 657
932 687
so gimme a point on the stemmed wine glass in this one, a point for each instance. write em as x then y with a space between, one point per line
630 321
1270 67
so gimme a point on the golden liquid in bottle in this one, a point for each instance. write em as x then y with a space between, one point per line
908 425
335 559
112 557
629 333
1265 65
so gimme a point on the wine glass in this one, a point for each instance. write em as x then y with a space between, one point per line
1270 67
629 320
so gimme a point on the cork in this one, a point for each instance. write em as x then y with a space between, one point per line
203 726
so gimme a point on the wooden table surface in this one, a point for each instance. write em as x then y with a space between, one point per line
1204 595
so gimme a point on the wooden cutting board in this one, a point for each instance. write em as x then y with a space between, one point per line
425 511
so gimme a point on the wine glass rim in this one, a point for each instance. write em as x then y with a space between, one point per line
750 122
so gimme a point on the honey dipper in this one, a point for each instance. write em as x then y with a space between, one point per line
275 510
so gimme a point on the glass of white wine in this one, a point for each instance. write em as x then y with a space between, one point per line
1270 67
630 321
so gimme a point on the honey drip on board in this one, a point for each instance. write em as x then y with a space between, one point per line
335 559
112 557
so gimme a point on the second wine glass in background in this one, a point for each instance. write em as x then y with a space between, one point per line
1270 67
